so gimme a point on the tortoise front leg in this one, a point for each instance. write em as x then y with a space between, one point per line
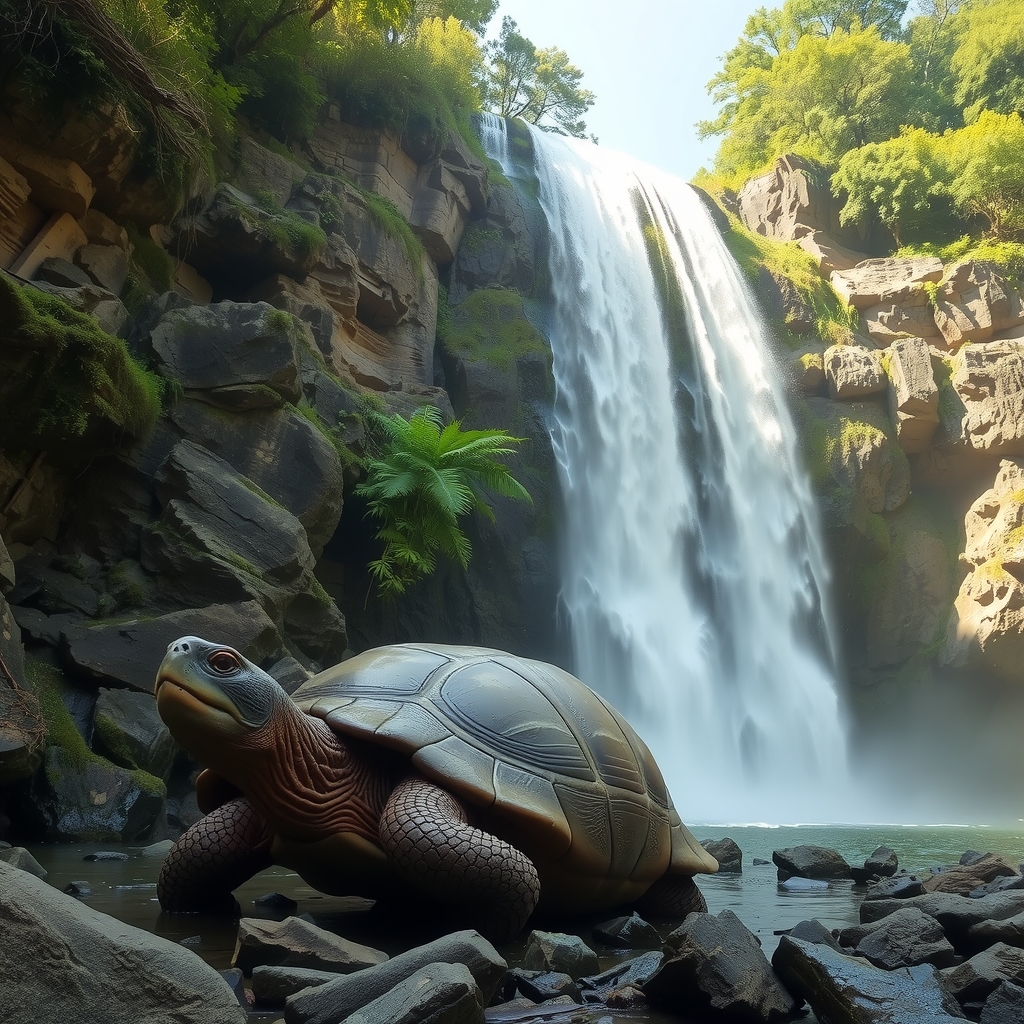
215 856
672 896
425 832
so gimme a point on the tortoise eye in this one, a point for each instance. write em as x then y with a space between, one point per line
223 662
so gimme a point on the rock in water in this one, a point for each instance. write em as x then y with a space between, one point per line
727 853
436 994
62 961
810 862
296 943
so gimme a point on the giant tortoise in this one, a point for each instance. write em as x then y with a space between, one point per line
470 776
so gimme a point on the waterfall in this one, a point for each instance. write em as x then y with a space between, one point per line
692 571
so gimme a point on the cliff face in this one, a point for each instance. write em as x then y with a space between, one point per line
261 323
914 429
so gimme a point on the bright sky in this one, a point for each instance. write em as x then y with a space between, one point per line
647 61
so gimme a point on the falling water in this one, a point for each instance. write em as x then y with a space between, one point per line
691 572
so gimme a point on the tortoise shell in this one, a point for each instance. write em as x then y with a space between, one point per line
523 740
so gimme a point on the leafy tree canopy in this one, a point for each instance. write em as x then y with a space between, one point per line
988 62
540 86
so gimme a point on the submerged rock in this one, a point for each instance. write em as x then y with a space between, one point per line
810 862
296 943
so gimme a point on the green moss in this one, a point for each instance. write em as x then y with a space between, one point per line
281 320
122 577
113 742
1007 257
62 377
149 260
349 458
284 228
491 326
388 218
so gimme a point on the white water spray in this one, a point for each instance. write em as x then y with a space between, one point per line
692 571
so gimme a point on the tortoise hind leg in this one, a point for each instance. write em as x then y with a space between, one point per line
672 896
216 855
426 835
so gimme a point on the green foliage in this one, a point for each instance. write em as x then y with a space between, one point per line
423 478
900 180
988 62
490 325
284 228
65 378
388 217
150 260
540 86
1007 257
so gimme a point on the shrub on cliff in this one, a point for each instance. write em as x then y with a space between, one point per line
423 478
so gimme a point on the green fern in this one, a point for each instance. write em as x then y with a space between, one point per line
424 478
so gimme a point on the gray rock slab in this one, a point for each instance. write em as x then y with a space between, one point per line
439 993
128 729
271 984
19 857
728 854
335 1001
899 887
631 932
128 653
883 861
1004 1006
905 939
559 952
296 943
106 265
718 968
814 931
540 986
988 933
877 281
976 979
810 862
62 961
850 990
956 914
630 972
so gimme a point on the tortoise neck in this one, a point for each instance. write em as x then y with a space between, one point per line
311 784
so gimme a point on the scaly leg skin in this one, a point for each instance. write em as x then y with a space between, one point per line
215 856
426 835
673 897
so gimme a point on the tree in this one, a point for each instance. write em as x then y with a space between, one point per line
988 63
987 170
425 477
898 179
540 86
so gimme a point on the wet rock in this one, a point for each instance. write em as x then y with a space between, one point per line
277 903
336 1000
964 878
760 862
899 887
853 372
1004 1006
439 993
969 857
814 931
103 964
904 939
630 973
883 861
106 855
998 885
19 857
783 301
233 978
718 968
987 933
81 890
727 853
810 862
559 952
129 731
295 943
850 990
541 986
128 652
797 883
975 979
271 985
156 851
631 932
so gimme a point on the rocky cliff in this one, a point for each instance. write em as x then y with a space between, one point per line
187 392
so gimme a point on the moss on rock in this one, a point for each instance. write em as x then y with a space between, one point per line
490 325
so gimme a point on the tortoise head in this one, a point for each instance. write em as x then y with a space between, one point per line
214 701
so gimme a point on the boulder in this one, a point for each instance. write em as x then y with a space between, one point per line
559 952
297 943
976 979
439 993
62 273
883 861
719 970
272 984
810 862
904 939
105 265
630 973
987 933
808 369
974 302
334 1001
828 253
304 474
205 348
220 539
128 653
989 382
955 913
901 886
129 731
57 185
540 986
101 230
853 372
1004 1006
815 932
913 395
103 305
727 853
62 961
306 301
964 878
233 242
891 321
998 885
262 170
891 280
848 989
783 302
59 236
18 857
631 932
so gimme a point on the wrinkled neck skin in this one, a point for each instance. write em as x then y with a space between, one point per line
307 782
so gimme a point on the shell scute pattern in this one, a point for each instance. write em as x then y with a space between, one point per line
520 737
